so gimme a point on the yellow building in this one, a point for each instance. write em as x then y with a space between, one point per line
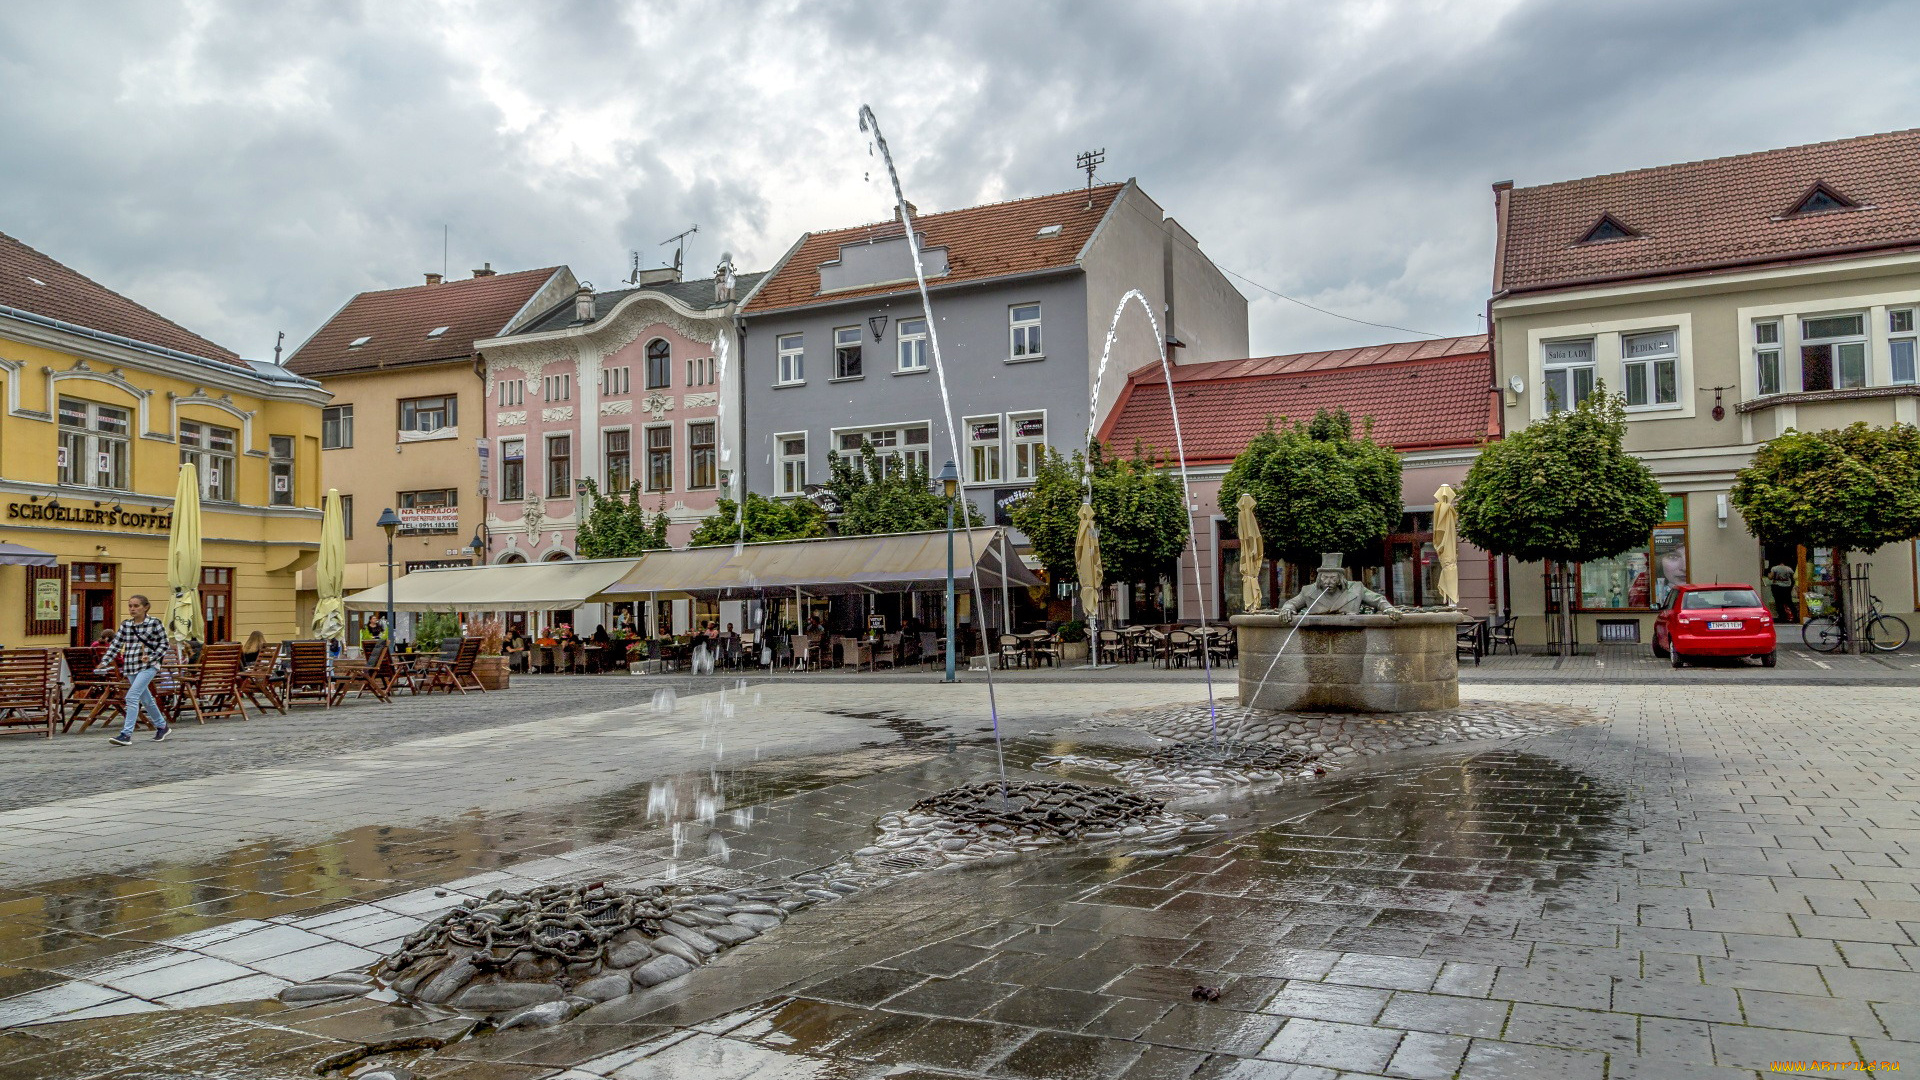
104 399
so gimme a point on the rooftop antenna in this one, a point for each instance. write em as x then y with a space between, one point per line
1090 160
279 338
679 253
633 268
445 232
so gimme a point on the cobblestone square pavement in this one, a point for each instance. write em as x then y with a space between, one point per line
1717 877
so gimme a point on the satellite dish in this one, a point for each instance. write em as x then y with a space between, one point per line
1517 384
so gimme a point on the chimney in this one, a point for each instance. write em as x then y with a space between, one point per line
486 270
433 279
910 208
583 304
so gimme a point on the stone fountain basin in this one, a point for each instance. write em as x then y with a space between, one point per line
1350 663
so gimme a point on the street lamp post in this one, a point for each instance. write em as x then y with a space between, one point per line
950 483
389 521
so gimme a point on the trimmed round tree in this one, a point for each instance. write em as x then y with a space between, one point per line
1562 490
1137 507
1318 489
1849 489
616 526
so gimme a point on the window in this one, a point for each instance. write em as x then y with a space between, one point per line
894 448
557 387
359 341
1766 356
619 455
559 466
700 371
1900 348
93 444
659 364
983 450
614 381
513 470
435 510
702 458
1651 364
336 427
210 450
429 413
846 352
660 458
913 344
790 471
1028 435
280 468
1644 577
513 391
1569 373
346 514
793 359
1833 352
1023 330
438 330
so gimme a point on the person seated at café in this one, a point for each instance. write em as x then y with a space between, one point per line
572 651
600 636
519 651
250 652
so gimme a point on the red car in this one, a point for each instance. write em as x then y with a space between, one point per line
1714 620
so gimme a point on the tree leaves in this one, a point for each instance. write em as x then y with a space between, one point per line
615 526
1851 489
1137 506
889 495
1316 489
766 519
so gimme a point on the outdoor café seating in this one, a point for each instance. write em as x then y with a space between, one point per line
456 673
212 687
308 675
29 690
90 697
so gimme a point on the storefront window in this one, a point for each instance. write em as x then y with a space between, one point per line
1643 577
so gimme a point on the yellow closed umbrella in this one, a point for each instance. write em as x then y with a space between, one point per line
1446 545
330 572
1253 549
183 559
1086 561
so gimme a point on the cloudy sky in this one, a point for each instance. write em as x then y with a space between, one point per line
245 167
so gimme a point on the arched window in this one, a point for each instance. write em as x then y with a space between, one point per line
556 556
512 557
659 364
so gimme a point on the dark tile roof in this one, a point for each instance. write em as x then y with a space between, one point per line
982 242
1703 215
696 294
31 281
1419 395
396 323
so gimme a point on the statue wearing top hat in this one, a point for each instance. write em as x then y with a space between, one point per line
1334 593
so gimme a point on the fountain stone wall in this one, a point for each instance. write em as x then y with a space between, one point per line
1350 663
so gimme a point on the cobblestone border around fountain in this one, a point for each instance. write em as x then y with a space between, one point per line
1334 737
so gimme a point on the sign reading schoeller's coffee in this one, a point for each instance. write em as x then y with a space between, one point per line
112 518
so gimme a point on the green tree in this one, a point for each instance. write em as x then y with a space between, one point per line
1564 490
1137 506
890 495
1318 489
1851 489
766 519
616 526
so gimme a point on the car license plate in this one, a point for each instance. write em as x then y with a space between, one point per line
1725 625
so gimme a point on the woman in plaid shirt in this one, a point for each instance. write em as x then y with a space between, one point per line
138 646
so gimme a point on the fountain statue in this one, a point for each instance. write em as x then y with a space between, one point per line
1334 593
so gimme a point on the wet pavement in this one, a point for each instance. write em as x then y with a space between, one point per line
1712 880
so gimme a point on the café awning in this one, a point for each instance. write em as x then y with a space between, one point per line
21 555
897 562
546 586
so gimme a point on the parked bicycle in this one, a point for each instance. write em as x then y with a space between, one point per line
1828 633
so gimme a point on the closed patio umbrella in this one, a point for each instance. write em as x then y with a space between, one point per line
183 559
1253 549
1446 544
1086 562
329 576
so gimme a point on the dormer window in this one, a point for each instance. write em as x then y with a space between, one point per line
1605 229
438 330
359 341
1821 199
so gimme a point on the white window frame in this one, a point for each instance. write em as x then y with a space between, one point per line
89 442
1650 373
858 344
615 381
892 442
448 410
1834 345
712 448
512 392
1767 355
1025 452
280 454
791 365
1025 333
1906 341
214 465
647 358
1548 366
520 463
557 387
784 464
606 457
912 345
981 453
546 465
646 452
338 418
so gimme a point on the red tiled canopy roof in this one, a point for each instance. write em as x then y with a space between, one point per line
982 242
1723 212
396 323
33 282
1418 394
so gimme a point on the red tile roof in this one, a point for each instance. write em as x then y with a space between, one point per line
33 282
982 242
1704 215
1419 395
396 323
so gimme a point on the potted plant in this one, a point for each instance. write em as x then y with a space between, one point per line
433 628
1073 641
491 666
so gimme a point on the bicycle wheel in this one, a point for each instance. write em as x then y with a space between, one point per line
1887 633
1821 633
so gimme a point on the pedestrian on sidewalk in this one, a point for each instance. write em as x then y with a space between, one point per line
1780 579
138 647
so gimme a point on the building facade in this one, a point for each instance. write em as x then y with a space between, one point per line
1429 400
1727 301
104 400
406 426
837 346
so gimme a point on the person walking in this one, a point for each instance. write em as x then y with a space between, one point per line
1780 579
138 647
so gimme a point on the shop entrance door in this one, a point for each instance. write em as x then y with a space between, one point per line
96 607
216 603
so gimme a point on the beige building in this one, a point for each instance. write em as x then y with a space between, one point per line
1728 301
405 427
